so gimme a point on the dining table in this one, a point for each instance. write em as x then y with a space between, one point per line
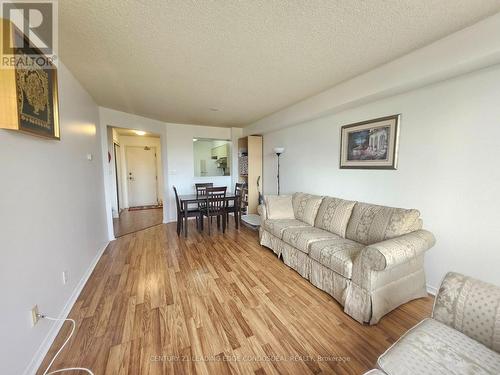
187 199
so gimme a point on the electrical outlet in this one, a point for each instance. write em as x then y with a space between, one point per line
34 315
65 277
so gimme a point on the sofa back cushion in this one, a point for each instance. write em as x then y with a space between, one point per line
333 215
470 306
279 207
370 223
305 207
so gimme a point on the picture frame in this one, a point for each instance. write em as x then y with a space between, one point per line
30 95
371 144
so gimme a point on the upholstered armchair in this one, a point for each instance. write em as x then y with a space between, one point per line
462 336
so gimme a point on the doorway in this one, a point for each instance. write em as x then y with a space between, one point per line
138 180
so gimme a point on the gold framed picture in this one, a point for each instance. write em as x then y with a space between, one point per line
371 144
29 91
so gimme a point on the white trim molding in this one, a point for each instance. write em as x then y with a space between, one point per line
432 290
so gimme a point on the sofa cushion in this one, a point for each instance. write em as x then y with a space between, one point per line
302 237
433 348
333 215
279 207
276 227
370 223
336 254
305 207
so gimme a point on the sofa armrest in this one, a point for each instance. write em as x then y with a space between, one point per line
471 307
391 253
262 211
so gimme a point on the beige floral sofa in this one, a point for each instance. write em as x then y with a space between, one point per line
369 258
462 337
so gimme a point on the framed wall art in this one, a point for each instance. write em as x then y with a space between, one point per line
371 144
28 93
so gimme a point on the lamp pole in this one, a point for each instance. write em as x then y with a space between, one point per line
278 151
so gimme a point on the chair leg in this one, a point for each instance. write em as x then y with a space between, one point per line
179 222
224 216
218 221
236 219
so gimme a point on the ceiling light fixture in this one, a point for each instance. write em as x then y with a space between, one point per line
214 109
139 132
195 139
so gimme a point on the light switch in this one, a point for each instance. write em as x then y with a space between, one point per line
89 157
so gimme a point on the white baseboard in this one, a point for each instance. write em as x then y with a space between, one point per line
432 289
54 330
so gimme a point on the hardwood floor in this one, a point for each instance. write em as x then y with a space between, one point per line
133 221
161 304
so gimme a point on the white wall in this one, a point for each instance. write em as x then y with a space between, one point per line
176 142
448 167
180 166
51 219
111 137
128 141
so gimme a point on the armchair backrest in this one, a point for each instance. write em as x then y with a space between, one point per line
470 306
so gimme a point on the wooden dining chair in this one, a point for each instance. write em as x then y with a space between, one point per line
243 202
201 188
234 206
201 191
215 205
192 212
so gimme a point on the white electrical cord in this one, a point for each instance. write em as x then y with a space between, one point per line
62 347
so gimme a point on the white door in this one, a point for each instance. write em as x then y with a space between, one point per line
141 176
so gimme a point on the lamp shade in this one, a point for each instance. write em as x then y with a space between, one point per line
279 150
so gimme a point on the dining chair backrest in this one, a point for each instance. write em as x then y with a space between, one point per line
238 190
201 188
177 200
216 199
238 187
244 200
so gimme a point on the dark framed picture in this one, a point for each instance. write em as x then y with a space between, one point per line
30 102
371 144
37 97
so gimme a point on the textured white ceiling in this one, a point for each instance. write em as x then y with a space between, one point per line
177 60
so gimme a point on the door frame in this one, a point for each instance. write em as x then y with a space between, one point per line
127 171
118 175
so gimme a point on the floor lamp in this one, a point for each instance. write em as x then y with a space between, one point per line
279 151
